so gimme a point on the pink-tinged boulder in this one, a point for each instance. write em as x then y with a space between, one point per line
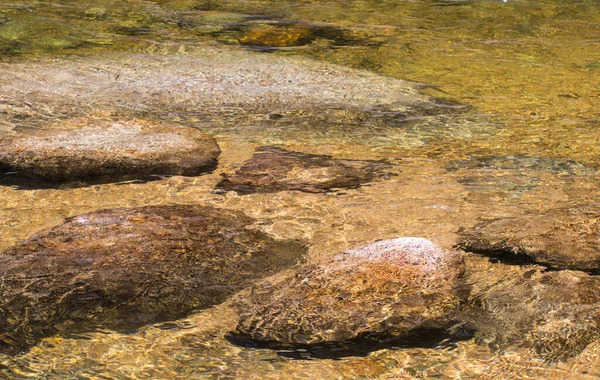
386 289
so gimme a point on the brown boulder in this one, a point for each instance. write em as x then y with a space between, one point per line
553 314
122 268
564 238
103 149
273 169
386 289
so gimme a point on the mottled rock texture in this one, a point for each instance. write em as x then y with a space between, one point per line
213 84
564 238
555 314
104 149
273 169
386 289
122 268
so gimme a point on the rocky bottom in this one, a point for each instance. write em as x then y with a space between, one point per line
497 315
497 280
355 309
198 346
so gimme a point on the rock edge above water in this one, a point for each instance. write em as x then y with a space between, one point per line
89 149
562 238
388 289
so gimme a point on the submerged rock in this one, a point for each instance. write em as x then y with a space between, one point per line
520 164
555 314
274 169
123 268
515 177
565 238
103 149
289 33
212 84
284 35
386 289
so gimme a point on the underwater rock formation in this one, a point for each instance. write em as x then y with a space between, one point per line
278 33
555 314
212 84
273 169
386 289
103 149
123 268
564 238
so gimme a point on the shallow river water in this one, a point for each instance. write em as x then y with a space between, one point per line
516 132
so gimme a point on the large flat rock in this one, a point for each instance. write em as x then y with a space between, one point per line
210 83
106 149
123 268
234 94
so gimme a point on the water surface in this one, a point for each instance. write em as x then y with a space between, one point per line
529 72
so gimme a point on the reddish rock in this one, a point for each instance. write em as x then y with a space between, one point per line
388 288
122 268
273 169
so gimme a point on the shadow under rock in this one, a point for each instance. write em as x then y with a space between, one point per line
19 182
362 345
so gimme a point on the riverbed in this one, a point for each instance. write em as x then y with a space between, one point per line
487 109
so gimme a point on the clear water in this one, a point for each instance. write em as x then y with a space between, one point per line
529 70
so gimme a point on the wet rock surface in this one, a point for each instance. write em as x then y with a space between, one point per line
384 290
555 314
88 149
273 169
564 238
211 85
123 268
